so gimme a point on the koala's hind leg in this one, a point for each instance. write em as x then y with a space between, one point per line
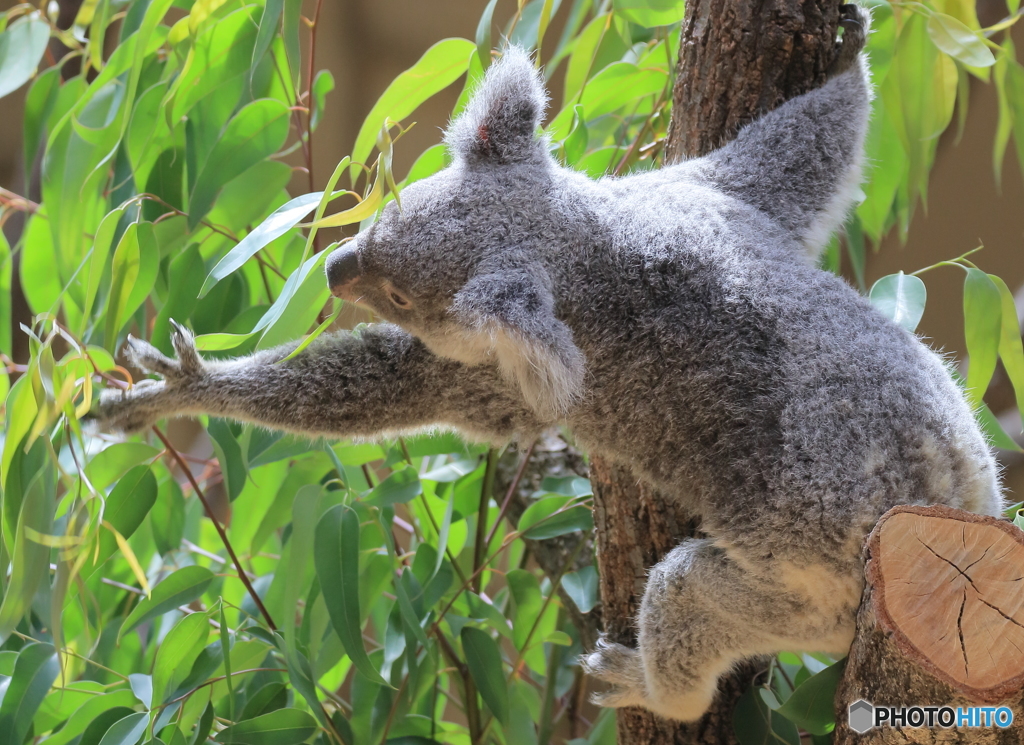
702 613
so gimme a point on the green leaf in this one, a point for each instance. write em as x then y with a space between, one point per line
982 326
22 46
336 557
618 85
112 463
323 84
302 297
993 430
222 52
177 652
180 588
168 516
184 278
901 298
400 487
755 724
135 263
268 698
126 507
438 68
34 672
268 29
1011 351
575 145
39 103
525 588
253 134
582 587
959 41
811 706
553 516
126 731
650 13
283 219
229 455
97 708
483 33
29 560
97 728
281 727
484 661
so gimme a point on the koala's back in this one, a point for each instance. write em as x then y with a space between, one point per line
765 392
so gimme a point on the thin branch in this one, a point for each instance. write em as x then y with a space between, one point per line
220 529
511 491
480 546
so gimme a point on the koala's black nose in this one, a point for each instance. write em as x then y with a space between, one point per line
342 267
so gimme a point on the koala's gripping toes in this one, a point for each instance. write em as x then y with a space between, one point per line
856 24
134 409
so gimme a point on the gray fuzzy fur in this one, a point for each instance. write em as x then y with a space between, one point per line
674 321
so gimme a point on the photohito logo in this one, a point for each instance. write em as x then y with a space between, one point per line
864 716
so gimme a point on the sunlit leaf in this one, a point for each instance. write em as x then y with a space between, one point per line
253 134
901 298
177 652
650 12
1011 351
22 46
982 325
959 41
438 68
179 588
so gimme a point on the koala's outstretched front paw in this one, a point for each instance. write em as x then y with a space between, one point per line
622 669
140 406
856 23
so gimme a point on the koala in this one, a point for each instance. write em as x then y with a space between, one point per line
676 322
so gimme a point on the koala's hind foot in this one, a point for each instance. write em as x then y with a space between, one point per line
856 23
136 408
702 613
621 668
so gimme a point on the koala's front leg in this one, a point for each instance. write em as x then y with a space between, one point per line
379 382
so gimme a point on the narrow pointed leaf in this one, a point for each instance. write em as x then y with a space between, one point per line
484 661
336 557
180 588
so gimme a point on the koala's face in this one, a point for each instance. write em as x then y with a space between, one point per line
409 266
454 267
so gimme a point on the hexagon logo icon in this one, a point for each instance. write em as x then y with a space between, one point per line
862 716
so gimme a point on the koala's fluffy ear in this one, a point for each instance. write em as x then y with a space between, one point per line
533 348
500 122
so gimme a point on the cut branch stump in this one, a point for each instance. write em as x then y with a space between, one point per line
941 623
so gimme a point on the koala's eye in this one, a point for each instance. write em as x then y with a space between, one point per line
398 298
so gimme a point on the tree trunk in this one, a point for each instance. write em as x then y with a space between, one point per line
941 624
737 60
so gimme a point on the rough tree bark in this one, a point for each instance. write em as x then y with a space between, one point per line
737 60
941 623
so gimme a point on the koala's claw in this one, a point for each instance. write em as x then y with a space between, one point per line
146 357
138 407
620 667
856 22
